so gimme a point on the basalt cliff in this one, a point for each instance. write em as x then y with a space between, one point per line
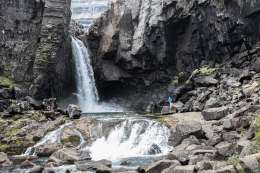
144 50
35 49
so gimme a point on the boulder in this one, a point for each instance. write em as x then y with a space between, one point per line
27 164
73 111
158 166
49 104
171 168
101 166
36 169
184 130
4 160
225 148
185 169
205 81
227 169
251 163
18 159
181 156
17 107
68 156
215 113
47 150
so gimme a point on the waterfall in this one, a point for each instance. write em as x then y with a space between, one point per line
132 138
87 91
86 87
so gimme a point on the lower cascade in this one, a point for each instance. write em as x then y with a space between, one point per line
117 140
132 138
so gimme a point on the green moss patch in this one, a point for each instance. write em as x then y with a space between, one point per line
205 71
257 133
6 82
75 140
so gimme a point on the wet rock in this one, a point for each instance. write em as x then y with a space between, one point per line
18 107
181 156
4 160
251 163
47 150
18 159
68 156
27 164
158 166
171 168
49 104
102 166
36 169
205 81
215 113
185 169
73 111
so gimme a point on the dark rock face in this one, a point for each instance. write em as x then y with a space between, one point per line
139 45
35 45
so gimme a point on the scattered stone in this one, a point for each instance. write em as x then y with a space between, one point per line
251 163
158 167
4 160
227 169
49 104
36 169
73 111
225 148
215 113
102 166
185 169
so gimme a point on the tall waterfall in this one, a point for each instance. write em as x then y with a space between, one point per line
87 91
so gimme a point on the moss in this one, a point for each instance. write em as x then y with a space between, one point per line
71 139
257 80
234 160
205 71
6 82
3 147
10 133
257 133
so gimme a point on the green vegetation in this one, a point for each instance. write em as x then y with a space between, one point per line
257 133
10 133
3 147
205 71
234 160
75 140
6 82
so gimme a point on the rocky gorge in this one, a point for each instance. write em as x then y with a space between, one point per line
203 54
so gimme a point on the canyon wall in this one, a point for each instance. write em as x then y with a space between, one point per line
35 45
139 47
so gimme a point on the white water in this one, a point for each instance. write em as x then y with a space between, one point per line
86 87
132 138
54 137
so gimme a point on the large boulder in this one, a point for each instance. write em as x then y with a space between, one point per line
68 156
73 111
185 129
47 150
215 113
